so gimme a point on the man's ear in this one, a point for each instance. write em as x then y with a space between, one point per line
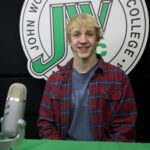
69 41
98 40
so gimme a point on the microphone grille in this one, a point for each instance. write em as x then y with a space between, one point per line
17 91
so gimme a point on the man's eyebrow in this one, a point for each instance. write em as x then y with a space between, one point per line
90 31
76 31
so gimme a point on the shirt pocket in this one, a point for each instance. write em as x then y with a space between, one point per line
111 96
112 100
107 104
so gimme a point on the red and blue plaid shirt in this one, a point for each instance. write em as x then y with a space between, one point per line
113 110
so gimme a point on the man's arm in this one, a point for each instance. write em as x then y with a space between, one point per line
47 119
125 115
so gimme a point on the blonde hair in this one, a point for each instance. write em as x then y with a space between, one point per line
85 20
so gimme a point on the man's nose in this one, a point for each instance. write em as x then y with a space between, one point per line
83 39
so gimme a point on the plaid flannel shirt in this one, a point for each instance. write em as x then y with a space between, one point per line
113 110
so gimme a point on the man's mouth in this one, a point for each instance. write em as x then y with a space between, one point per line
83 47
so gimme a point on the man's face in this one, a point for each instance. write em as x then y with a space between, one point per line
83 42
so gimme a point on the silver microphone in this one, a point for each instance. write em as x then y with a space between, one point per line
14 109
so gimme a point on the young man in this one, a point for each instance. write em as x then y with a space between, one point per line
87 99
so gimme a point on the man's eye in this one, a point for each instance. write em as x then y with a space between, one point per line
90 34
75 35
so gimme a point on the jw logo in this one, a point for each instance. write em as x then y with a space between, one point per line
43 35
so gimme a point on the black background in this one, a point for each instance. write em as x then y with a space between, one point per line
13 68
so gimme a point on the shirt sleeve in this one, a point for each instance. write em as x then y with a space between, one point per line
47 121
125 114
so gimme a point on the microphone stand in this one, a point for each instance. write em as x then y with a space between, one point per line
9 143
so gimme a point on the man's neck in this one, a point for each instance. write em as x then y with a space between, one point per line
84 65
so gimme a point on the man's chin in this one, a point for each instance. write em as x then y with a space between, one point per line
84 56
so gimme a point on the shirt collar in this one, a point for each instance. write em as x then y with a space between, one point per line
68 67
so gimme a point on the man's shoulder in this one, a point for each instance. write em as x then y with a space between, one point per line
56 75
60 74
110 68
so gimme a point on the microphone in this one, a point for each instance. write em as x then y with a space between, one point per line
14 109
